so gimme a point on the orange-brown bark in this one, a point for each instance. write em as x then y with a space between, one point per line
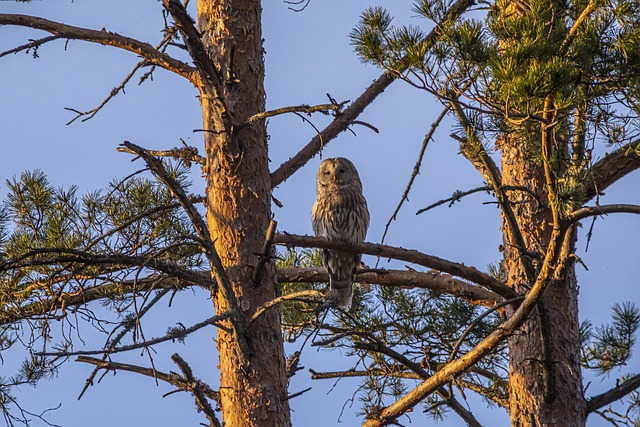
253 391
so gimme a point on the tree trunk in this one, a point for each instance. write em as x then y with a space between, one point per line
253 392
545 385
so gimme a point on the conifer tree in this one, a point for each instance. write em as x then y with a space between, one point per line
535 86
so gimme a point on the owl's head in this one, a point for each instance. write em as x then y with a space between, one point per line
336 174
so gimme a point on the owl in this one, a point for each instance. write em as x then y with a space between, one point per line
340 214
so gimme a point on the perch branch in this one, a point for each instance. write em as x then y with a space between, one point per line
433 280
408 255
589 211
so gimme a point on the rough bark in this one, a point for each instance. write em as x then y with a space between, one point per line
545 386
253 389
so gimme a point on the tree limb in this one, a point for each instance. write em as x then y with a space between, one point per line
294 109
408 255
341 122
589 211
433 280
554 262
152 55
174 334
172 378
596 402
611 168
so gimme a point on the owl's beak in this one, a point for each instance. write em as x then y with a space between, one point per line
335 177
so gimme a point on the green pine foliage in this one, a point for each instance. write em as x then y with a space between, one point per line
388 326
504 60
66 244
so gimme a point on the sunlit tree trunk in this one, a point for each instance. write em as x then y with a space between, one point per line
545 382
253 390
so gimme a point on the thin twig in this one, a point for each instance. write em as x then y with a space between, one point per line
33 44
196 389
265 255
293 109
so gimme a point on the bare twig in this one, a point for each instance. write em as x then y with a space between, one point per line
173 334
589 211
416 169
294 109
196 388
458 195
33 44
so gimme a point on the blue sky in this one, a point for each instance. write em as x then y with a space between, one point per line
307 56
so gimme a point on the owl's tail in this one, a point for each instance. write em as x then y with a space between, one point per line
340 294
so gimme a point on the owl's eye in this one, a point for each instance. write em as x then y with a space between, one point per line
341 171
327 173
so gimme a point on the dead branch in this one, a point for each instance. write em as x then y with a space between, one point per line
416 169
343 121
187 154
589 211
33 44
196 389
172 378
456 269
434 280
148 52
294 109
174 334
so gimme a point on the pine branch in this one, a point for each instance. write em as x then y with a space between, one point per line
611 168
456 269
174 334
596 402
554 263
33 44
148 52
197 390
589 211
449 399
433 280
341 122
